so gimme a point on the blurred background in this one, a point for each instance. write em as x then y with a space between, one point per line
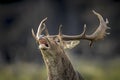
20 58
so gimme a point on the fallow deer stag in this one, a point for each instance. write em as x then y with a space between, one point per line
52 48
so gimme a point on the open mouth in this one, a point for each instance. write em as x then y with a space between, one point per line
43 44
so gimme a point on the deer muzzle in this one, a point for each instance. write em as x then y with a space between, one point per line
43 43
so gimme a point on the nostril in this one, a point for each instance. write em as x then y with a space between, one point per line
42 41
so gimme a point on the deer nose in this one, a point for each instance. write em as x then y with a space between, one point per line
42 40
43 44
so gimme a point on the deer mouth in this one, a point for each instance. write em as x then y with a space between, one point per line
43 44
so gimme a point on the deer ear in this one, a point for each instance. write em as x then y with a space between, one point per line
70 44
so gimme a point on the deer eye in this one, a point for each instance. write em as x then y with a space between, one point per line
57 40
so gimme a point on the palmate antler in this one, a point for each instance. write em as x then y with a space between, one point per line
99 34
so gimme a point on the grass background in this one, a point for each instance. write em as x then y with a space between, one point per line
90 70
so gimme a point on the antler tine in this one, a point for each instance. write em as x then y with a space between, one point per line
40 28
33 34
99 34
84 31
60 31
46 30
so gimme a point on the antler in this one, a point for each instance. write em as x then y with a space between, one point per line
40 29
97 35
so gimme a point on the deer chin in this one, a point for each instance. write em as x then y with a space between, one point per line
44 46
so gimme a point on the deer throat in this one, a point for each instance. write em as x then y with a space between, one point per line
58 67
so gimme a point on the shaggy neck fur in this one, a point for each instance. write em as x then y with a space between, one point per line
59 66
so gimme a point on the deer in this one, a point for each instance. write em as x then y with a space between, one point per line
52 47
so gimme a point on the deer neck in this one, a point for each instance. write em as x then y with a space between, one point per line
58 66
